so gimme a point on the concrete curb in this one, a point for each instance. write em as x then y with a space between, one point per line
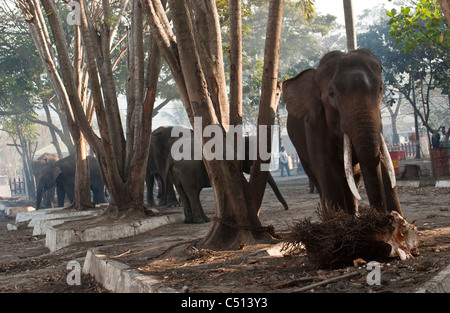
42 222
438 284
408 183
28 216
56 238
13 211
120 278
443 183
416 183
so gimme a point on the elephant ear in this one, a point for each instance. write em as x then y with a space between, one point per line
55 172
302 96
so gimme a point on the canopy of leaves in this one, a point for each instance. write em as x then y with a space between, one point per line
425 25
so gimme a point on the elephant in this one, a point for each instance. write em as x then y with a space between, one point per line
160 146
62 175
40 165
190 177
334 122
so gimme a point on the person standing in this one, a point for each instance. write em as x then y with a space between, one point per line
284 162
436 140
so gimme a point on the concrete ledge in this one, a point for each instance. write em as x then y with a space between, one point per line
443 183
59 238
438 284
40 226
13 211
50 216
118 277
408 183
29 215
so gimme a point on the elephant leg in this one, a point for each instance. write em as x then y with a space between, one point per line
192 189
197 208
60 193
170 197
311 186
49 197
70 192
331 184
188 214
150 181
99 195
159 185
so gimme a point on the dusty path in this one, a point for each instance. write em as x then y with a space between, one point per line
169 253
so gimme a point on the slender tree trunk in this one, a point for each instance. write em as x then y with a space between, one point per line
416 128
350 25
209 36
52 132
34 17
270 95
235 62
82 191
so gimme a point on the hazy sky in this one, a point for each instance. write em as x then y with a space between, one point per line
336 7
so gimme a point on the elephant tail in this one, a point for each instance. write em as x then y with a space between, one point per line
277 192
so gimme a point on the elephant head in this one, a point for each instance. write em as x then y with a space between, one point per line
334 120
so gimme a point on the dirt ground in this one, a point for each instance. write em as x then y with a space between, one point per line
172 255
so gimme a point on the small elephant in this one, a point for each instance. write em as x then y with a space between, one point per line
62 175
40 165
334 122
190 177
160 146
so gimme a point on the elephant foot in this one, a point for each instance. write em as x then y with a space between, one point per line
172 204
197 220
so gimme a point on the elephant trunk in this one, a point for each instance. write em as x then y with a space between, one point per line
369 150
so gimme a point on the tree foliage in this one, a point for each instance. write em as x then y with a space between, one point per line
425 25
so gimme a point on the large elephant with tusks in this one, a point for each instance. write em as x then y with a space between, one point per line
334 122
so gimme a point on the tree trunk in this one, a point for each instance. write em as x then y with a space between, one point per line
350 25
416 127
52 132
237 218
82 191
235 62
445 6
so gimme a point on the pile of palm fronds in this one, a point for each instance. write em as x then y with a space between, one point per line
339 238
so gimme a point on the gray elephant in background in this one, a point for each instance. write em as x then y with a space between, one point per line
160 146
40 166
62 175
190 177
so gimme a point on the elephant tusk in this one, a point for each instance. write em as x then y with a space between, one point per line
387 158
348 167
